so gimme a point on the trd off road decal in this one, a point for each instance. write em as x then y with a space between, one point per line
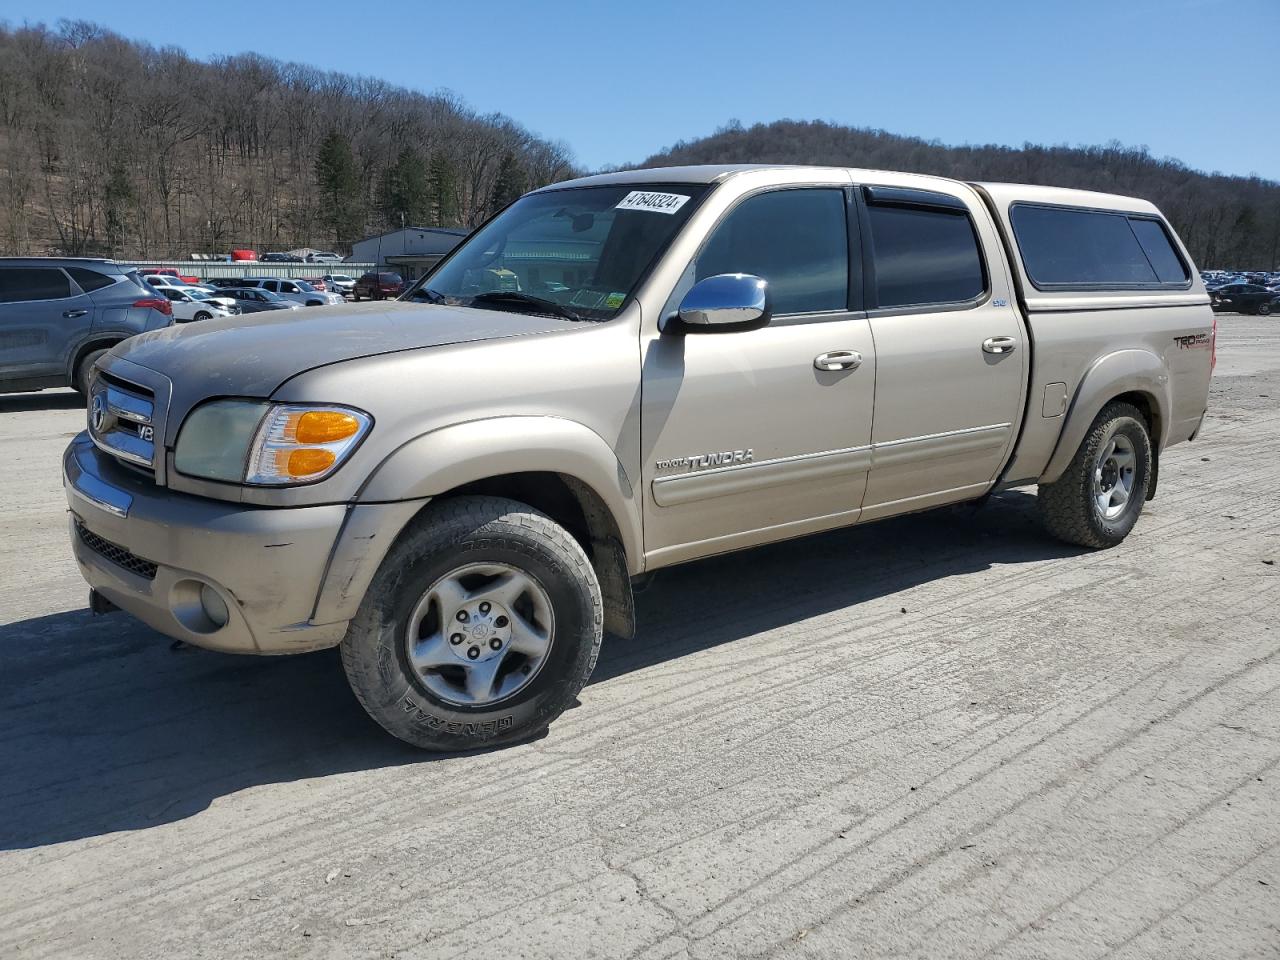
1191 341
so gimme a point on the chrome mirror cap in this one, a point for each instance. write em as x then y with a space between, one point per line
728 301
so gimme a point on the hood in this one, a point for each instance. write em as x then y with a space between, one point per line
250 355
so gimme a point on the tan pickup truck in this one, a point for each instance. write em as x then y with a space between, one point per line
617 374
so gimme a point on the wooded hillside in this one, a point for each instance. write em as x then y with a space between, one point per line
1227 222
112 147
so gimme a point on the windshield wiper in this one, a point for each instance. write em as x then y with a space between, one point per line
536 304
431 296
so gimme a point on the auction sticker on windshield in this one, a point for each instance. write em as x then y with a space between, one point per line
653 202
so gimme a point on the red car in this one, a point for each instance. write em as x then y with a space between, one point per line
170 272
378 286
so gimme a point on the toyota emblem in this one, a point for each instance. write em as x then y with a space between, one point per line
98 413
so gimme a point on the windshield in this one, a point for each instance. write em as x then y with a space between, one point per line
583 249
304 286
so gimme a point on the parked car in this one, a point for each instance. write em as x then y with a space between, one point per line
169 271
462 516
377 286
1243 298
189 304
254 300
279 258
297 290
323 256
340 283
315 282
244 255
58 316
162 280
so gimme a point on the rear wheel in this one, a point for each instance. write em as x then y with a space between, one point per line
1098 498
480 628
84 369
1264 309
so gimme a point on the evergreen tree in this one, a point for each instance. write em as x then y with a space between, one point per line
405 193
509 184
339 181
444 192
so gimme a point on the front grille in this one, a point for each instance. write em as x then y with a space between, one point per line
116 553
122 421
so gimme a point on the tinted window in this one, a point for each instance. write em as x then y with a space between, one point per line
33 283
1158 247
90 280
924 255
1061 246
797 240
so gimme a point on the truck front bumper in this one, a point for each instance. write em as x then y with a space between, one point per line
214 574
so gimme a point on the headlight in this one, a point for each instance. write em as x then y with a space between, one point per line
267 444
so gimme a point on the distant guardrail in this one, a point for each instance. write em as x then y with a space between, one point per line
251 268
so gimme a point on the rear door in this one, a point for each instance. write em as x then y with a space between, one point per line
950 348
44 317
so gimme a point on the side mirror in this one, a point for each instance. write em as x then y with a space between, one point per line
727 303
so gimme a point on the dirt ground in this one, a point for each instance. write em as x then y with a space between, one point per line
940 736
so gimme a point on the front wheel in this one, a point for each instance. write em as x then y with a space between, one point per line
202 315
480 628
1098 498
1264 309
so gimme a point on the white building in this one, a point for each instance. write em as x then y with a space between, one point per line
409 251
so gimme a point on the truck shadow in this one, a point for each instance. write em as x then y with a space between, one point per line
43 400
106 728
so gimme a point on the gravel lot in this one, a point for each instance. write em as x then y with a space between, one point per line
939 736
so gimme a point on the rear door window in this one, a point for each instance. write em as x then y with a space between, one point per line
22 284
924 255
1099 249
796 240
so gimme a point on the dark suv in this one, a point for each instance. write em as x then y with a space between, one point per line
378 286
59 315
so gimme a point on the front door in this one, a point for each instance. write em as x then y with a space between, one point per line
950 349
745 439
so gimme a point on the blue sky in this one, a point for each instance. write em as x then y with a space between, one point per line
1194 79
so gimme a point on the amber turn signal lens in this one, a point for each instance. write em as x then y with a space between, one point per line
324 426
304 463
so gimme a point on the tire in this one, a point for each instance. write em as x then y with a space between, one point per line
1070 507
355 296
202 315
84 368
488 544
1264 309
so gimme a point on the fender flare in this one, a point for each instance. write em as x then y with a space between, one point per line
1125 371
440 460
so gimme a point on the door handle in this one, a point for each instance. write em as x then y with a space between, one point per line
999 344
838 360
72 314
